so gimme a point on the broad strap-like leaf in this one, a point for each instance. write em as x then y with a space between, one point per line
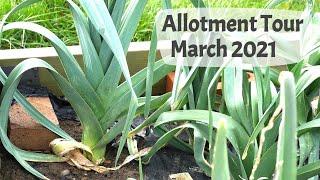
99 16
122 95
308 170
151 60
220 157
10 88
233 94
116 128
33 112
236 134
130 21
287 144
308 127
92 65
267 163
74 73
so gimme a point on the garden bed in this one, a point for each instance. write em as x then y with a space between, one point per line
168 161
113 104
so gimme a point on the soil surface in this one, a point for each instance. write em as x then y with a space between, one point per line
10 168
165 162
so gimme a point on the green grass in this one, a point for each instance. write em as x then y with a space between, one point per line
54 14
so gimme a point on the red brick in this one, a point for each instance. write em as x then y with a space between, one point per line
25 132
170 79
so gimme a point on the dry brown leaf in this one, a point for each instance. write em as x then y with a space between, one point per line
180 176
71 150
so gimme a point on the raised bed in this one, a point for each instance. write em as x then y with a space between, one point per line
169 161
136 58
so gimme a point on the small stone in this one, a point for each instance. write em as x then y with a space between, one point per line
65 172
107 161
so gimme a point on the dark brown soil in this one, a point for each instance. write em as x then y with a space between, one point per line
10 169
165 162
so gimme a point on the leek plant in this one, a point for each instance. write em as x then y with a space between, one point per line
264 120
105 107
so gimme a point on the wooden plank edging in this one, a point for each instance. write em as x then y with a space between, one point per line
136 57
